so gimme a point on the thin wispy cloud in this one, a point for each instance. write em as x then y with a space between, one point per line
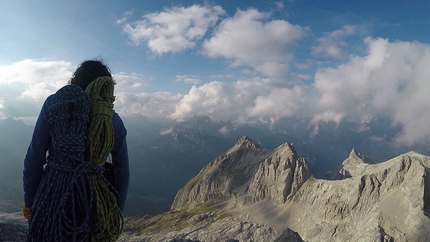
332 44
187 80
124 18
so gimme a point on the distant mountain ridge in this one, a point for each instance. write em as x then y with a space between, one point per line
165 155
275 191
261 191
175 152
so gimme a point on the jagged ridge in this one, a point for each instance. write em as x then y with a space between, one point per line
388 201
221 177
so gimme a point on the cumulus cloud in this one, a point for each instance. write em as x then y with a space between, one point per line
250 39
391 80
128 82
130 98
159 104
175 29
280 102
331 44
242 101
25 84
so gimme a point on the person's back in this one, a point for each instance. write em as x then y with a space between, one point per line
70 199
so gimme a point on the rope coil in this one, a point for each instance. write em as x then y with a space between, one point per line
108 222
76 202
62 212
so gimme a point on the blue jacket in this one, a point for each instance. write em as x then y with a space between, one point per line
41 143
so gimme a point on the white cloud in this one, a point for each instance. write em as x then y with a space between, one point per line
242 101
187 79
128 82
327 116
332 43
279 5
391 81
249 39
159 104
305 77
124 18
304 65
175 29
24 85
280 102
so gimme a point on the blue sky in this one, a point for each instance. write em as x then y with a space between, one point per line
245 61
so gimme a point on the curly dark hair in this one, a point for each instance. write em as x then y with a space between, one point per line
88 71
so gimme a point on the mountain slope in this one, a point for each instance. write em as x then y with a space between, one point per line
221 177
386 199
275 190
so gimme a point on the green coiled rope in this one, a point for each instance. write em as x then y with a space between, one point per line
107 219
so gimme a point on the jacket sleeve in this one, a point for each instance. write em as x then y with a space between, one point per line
120 160
35 158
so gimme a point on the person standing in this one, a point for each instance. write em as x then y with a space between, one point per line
63 179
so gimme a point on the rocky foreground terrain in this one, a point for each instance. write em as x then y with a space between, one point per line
13 227
254 194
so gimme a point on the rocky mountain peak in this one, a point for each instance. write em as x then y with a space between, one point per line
199 119
354 154
354 165
221 177
278 176
264 175
246 143
286 148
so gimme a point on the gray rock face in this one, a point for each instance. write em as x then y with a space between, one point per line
264 174
379 202
278 177
12 232
220 178
228 229
354 165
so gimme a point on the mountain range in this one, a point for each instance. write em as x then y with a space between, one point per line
254 194
165 155
200 180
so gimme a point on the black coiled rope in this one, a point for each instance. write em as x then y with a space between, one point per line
63 210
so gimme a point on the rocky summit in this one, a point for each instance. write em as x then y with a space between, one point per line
254 194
